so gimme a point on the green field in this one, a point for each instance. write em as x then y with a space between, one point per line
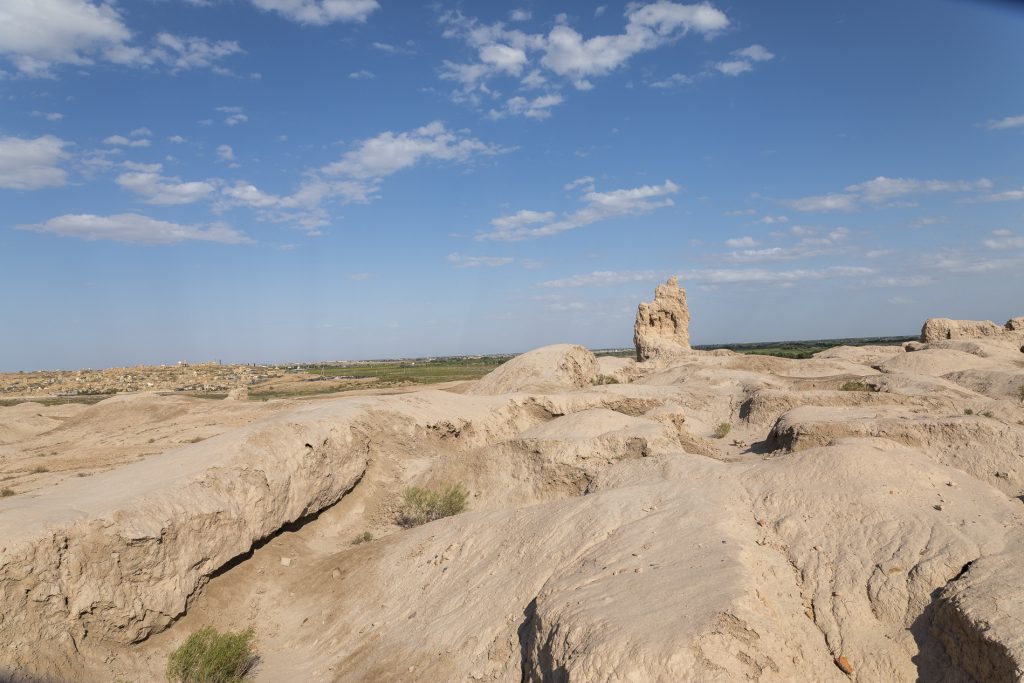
805 349
422 371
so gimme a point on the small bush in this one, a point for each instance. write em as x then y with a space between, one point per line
722 429
39 469
856 386
988 413
208 656
6 492
1020 393
968 411
422 505
364 537
604 379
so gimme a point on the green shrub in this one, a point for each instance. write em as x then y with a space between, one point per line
988 413
421 505
722 429
364 537
208 656
6 492
968 411
40 469
604 379
856 386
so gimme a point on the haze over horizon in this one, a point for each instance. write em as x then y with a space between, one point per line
274 180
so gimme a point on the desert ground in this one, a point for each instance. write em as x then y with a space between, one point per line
684 516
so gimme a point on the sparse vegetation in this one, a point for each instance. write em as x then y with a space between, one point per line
208 656
988 413
604 379
6 492
968 411
856 386
364 537
39 469
722 430
422 505
1020 393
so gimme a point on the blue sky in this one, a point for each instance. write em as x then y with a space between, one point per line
273 180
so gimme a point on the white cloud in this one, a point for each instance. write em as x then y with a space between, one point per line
602 278
321 12
504 58
1004 239
1008 196
711 276
225 153
1008 122
235 115
361 75
388 152
360 277
584 182
808 246
771 220
462 261
565 52
598 206
882 189
146 180
519 14
746 241
747 55
122 141
734 67
179 53
48 115
762 276
356 178
176 139
136 229
39 34
672 81
755 53
31 164
537 108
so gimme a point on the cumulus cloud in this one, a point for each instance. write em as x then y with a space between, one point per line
462 261
881 190
147 180
746 57
39 35
563 51
727 276
32 163
361 75
808 246
746 241
597 206
122 141
136 229
48 115
320 12
225 153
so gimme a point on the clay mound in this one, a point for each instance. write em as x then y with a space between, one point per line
938 329
984 447
992 383
555 368
862 355
934 362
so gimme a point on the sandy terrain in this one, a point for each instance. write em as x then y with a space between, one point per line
861 520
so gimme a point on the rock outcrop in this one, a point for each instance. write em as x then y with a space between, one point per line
662 326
